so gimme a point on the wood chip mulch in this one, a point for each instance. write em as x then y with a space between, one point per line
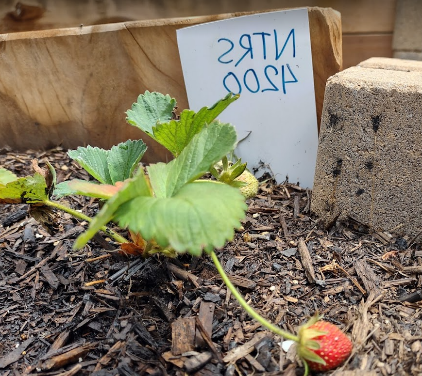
97 312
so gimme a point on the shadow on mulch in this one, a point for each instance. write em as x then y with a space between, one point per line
96 312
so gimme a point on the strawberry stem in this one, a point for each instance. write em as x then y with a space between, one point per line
118 238
255 315
305 364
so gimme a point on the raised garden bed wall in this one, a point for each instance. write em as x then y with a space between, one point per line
367 25
71 87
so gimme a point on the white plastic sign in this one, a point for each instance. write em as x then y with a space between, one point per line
266 58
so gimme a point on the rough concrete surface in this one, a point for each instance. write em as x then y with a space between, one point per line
409 55
407 37
369 163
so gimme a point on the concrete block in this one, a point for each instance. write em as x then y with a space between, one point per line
369 162
392 64
409 55
407 37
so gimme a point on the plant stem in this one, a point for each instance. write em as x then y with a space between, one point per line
306 366
255 315
118 238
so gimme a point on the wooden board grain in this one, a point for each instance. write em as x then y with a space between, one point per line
326 44
358 16
357 48
183 335
71 87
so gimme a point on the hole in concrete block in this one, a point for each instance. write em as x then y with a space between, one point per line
360 191
376 120
337 168
369 165
334 119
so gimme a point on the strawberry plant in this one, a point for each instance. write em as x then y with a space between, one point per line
169 208
36 191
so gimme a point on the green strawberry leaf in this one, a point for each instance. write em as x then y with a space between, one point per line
110 166
204 150
85 188
94 161
206 115
176 135
124 158
178 207
158 177
28 190
186 221
150 109
132 188
6 176
63 189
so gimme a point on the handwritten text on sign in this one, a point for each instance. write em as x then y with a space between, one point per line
266 58
251 81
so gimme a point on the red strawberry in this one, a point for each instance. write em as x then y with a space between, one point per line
322 345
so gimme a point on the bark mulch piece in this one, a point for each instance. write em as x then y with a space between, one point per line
96 312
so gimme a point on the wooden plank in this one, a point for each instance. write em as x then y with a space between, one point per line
327 58
183 335
306 260
207 339
206 316
369 278
239 352
68 357
375 16
357 16
357 48
72 86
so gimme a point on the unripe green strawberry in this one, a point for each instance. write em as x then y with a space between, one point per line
323 346
251 188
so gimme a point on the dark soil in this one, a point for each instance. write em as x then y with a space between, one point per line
98 312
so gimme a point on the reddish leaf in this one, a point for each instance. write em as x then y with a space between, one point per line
131 249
